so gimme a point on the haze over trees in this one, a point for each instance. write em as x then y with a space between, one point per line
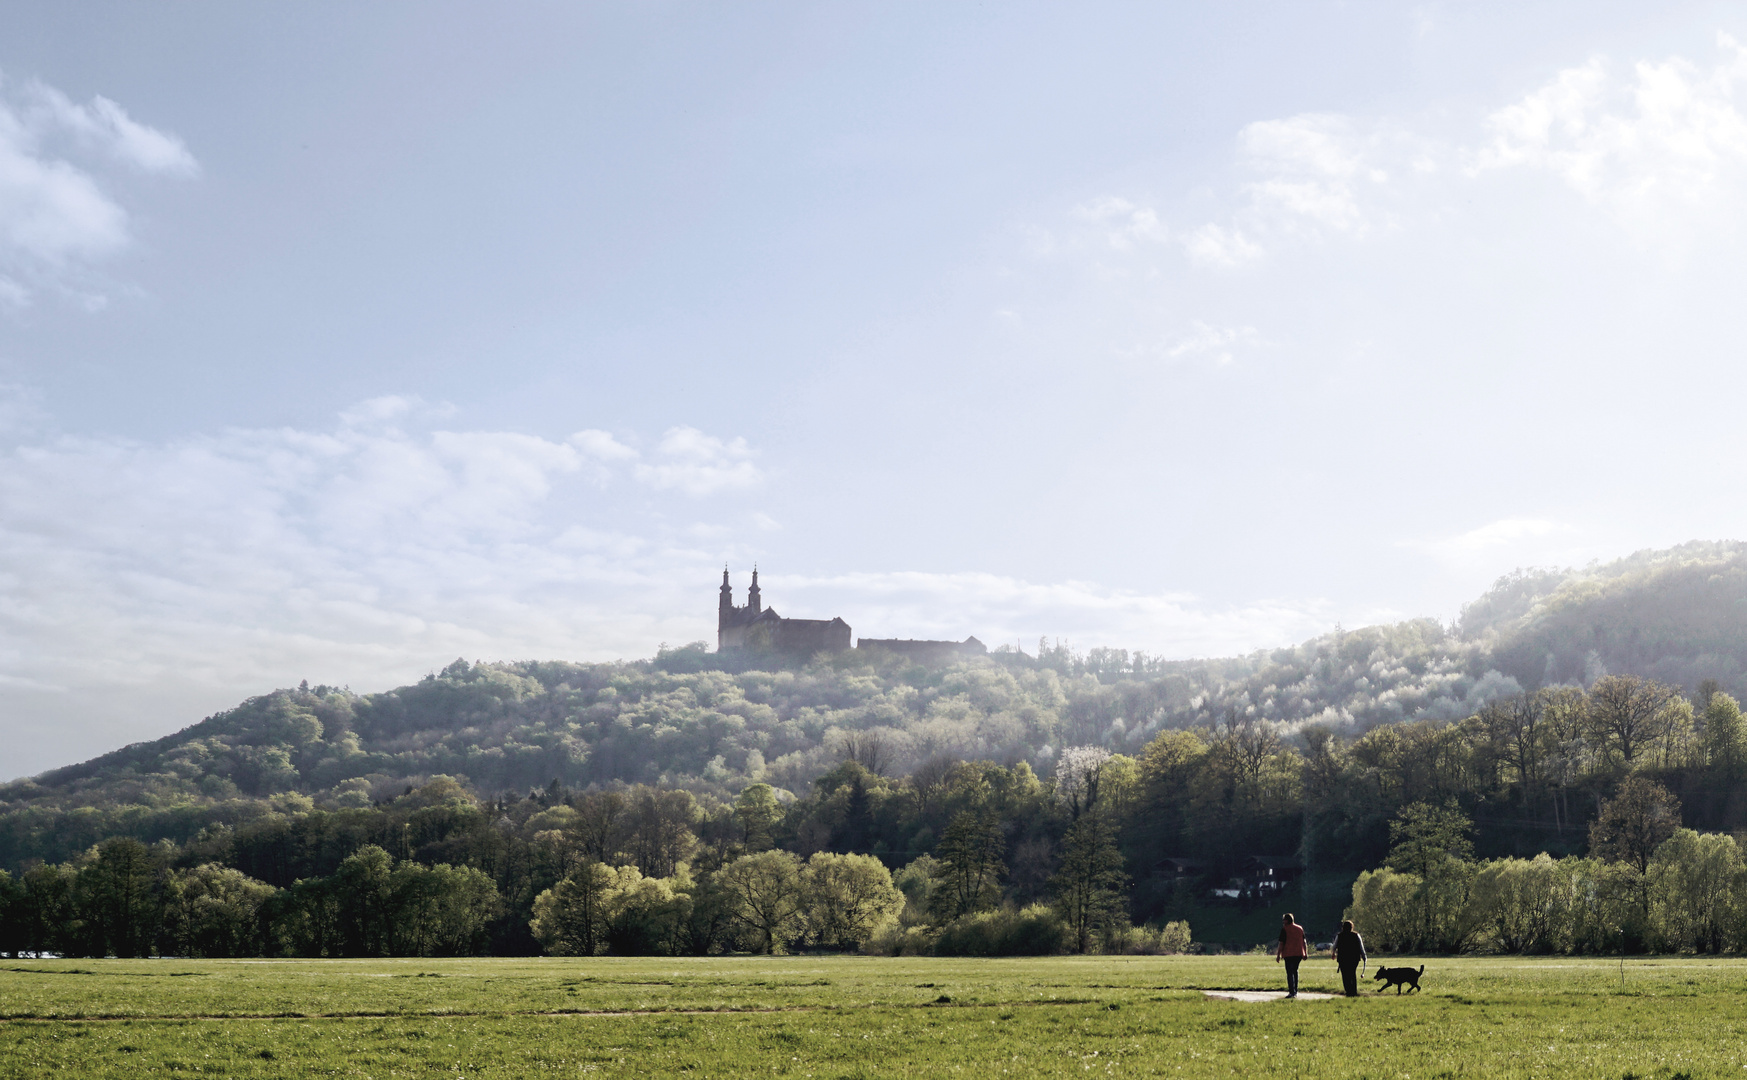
1058 801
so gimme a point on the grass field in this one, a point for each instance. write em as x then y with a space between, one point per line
861 1017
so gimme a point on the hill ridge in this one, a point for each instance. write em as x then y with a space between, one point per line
690 719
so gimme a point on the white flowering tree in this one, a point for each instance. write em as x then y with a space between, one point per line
1090 882
1077 772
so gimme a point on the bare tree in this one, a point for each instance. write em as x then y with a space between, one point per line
1323 768
660 830
1566 728
600 827
1515 725
929 781
970 850
1249 744
866 749
1629 713
1633 824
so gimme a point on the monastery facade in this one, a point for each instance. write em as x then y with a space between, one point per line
755 627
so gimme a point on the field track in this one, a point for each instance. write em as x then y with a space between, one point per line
862 1017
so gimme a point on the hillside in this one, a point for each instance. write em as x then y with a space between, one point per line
677 721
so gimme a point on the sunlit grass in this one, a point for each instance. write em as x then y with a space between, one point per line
855 1016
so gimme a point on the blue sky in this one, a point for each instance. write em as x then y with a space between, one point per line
337 340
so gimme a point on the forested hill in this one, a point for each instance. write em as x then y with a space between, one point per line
1678 616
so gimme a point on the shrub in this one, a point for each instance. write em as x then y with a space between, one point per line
1692 882
1033 931
1172 938
1385 908
896 940
1525 905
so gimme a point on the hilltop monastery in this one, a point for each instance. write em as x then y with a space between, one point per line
756 627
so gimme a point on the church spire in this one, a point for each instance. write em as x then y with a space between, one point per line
753 604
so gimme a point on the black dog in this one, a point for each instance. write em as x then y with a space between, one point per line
1397 976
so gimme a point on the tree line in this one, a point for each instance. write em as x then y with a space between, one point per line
634 871
1647 884
1105 851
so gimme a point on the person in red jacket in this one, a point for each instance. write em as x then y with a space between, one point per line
1292 950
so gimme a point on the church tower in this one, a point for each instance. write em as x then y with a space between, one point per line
760 629
724 609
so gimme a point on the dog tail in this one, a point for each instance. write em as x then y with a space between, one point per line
1422 969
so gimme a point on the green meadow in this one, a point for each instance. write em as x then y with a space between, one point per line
862 1017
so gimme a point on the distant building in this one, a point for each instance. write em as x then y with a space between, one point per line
1260 877
927 651
761 629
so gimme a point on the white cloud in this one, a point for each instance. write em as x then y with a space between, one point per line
105 126
699 464
1496 534
1660 146
601 453
1516 541
148 583
1123 223
385 410
1312 176
601 446
1667 141
1316 176
1312 169
1217 246
1203 340
1216 340
1664 144
54 215
144 584
49 210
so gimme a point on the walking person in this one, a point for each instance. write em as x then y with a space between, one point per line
1292 950
1349 950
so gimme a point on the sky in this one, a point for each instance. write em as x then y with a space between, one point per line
338 341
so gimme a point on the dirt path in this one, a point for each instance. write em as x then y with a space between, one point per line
580 1014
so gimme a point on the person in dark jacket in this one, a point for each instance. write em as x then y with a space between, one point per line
1292 950
1349 950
